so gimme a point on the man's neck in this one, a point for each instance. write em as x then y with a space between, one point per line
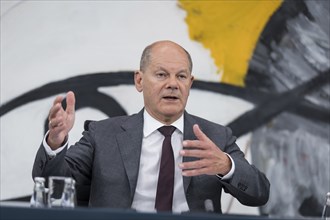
164 120
151 123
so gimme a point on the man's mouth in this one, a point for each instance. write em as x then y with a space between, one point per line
170 98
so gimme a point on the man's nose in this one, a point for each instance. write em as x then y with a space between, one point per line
172 82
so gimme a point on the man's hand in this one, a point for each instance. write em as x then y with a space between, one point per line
60 121
211 161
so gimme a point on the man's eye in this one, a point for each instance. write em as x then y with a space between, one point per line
160 75
182 77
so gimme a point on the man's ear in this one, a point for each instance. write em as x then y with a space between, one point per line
138 75
192 80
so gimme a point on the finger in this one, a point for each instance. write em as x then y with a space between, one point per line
57 105
55 110
58 99
196 172
199 133
196 153
56 122
70 102
192 144
194 164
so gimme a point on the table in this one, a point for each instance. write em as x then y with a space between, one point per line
21 210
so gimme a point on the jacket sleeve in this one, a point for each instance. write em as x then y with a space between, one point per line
248 185
75 161
45 166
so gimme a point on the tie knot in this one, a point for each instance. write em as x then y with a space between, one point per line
167 130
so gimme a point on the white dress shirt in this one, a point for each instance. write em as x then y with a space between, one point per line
146 188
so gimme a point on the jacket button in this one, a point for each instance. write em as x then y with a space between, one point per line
242 186
41 164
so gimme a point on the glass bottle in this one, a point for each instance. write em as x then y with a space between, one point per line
38 198
69 193
326 209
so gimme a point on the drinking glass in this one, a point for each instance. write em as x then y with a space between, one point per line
62 193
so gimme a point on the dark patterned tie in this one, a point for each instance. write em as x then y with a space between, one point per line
164 196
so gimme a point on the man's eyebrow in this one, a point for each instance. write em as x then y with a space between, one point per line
184 70
161 68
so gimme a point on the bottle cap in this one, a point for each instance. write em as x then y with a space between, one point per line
39 179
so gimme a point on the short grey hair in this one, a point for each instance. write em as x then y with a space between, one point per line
146 54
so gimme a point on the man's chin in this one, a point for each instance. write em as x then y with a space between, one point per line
172 113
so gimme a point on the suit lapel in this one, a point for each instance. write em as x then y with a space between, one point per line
130 142
188 135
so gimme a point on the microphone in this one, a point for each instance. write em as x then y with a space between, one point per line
208 204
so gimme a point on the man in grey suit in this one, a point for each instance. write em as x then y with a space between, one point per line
119 159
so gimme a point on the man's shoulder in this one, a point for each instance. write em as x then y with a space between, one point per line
112 122
212 129
202 121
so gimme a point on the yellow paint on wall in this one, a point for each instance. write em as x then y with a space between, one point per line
230 29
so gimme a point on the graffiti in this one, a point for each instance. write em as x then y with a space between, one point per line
87 95
294 149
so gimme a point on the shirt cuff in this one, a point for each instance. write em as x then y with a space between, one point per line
52 153
230 173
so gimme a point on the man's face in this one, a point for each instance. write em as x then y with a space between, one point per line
165 82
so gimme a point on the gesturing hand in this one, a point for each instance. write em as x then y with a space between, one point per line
60 121
211 159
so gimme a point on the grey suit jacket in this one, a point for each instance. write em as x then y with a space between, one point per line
106 159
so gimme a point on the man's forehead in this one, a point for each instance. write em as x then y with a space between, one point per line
166 46
168 55
169 62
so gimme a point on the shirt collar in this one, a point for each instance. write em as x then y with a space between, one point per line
151 124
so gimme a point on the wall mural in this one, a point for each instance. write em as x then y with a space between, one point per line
294 146
230 29
272 54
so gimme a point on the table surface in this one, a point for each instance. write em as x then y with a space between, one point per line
22 210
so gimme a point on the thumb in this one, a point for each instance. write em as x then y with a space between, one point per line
70 103
199 133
